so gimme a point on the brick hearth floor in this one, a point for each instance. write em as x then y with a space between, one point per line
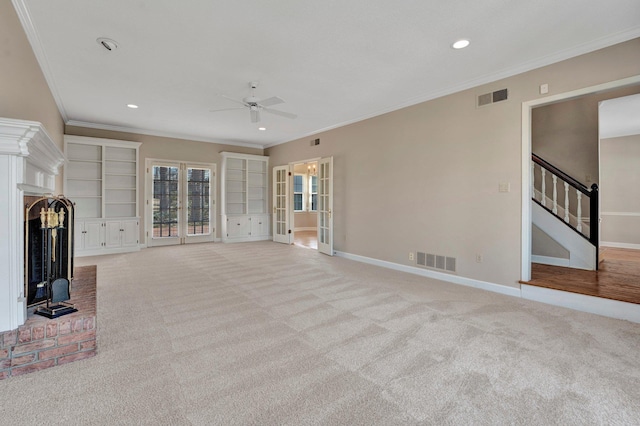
43 343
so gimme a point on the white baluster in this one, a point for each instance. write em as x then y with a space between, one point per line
543 197
566 202
555 193
579 227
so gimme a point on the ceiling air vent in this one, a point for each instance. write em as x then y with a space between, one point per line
492 97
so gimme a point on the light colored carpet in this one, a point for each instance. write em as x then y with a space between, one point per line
263 333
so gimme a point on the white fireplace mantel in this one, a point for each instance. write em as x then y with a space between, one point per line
29 163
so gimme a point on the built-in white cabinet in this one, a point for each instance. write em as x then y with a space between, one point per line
88 235
121 234
245 191
101 178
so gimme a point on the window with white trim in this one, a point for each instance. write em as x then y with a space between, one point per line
313 193
298 193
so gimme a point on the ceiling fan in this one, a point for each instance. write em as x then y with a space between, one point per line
256 105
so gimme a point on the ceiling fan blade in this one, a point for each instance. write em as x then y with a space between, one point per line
274 100
280 113
255 116
225 109
234 100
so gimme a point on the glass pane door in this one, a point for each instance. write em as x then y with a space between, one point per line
325 206
198 201
198 194
165 198
281 205
181 199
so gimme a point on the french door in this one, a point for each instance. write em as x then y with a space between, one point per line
180 198
281 206
325 206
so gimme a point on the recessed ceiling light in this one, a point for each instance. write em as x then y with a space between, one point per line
460 44
132 106
262 128
107 43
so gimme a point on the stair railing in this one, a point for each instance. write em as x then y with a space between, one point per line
570 213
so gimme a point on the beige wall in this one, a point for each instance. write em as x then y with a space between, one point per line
426 177
162 148
543 245
306 220
24 93
620 190
566 133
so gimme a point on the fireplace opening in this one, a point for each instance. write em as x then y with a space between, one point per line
49 239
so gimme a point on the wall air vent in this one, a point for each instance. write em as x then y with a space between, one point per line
492 97
436 261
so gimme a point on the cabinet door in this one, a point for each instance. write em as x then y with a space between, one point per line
78 235
129 235
238 226
92 234
112 234
259 226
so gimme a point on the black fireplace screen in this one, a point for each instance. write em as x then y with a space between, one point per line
48 246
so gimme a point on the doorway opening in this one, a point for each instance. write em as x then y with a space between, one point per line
303 204
527 108
608 159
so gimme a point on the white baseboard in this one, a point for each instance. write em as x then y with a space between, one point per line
580 302
455 279
308 228
547 260
620 245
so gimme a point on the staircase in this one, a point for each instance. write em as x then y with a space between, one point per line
567 211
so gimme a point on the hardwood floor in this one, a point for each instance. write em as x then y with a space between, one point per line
618 277
307 239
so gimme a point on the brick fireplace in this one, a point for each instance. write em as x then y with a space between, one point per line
29 164
43 343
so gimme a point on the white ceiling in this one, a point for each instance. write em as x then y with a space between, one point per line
333 62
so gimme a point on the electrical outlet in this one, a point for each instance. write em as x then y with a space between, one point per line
504 187
410 255
478 258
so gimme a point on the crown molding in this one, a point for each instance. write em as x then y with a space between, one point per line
160 133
